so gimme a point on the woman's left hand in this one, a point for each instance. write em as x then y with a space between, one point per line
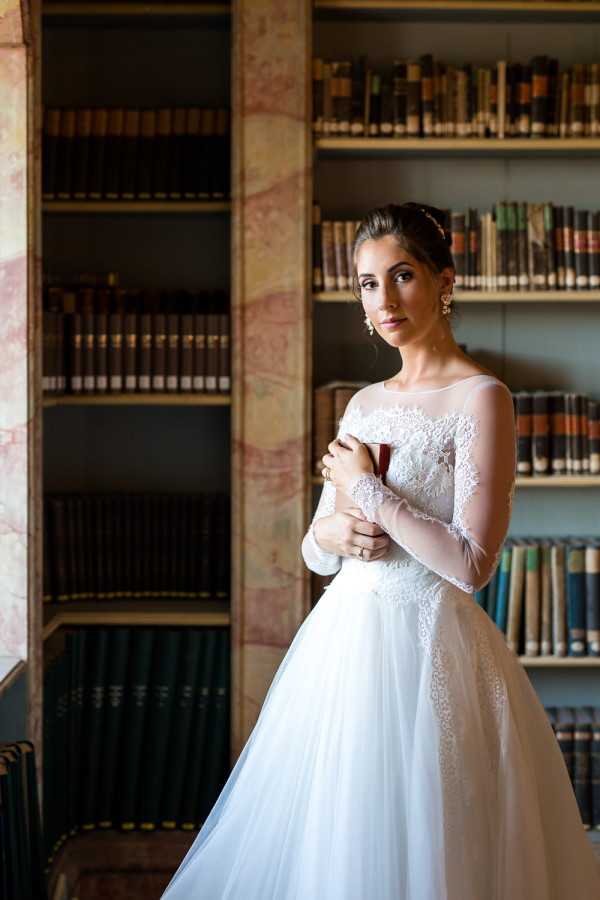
346 461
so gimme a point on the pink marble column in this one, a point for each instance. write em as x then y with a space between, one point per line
272 341
20 340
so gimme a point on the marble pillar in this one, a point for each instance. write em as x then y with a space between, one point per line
271 322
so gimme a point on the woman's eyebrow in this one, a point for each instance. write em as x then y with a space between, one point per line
401 262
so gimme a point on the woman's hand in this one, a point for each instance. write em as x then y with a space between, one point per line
346 461
347 533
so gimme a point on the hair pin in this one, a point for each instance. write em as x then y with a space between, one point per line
435 222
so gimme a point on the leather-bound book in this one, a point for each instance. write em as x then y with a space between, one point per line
222 143
101 351
524 405
115 352
539 95
200 335
593 246
145 355
50 147
380 456
96 158
224 378
81 150
212 351
191 161
131 351
176 154
540 433
565 729
117 659
545 600
317 274
172 381
559 618
159 361
576 602
532 600
582 740
88 340
131 132
161 160
64 167
206 156
186 341
112 153
515 596
558 435
192 649
145 169
593 425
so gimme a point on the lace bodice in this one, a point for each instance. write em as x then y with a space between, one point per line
447 499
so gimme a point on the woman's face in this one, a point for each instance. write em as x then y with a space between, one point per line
394 284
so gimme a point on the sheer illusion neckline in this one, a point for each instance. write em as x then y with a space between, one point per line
431 390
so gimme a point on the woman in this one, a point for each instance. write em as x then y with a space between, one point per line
401 752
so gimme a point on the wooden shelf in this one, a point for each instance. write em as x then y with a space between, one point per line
485 296
122 207
447 146
135 9
552 481
150 399
135 612
528 9
575 662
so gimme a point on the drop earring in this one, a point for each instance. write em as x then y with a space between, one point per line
369 325
446 303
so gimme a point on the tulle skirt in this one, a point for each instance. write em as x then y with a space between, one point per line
401 753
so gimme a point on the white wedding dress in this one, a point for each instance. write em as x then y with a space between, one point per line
401 752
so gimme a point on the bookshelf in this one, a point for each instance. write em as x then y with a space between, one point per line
172 442
531 339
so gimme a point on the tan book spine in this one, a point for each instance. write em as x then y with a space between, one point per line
328 255
559 621
546 600
532 601
341 259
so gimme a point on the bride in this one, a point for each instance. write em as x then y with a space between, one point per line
401 752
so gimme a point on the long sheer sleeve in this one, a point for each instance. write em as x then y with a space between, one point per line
317 559
464 551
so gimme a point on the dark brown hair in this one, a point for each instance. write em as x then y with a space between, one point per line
413 229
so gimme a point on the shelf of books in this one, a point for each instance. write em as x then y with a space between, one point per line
137 400
490 117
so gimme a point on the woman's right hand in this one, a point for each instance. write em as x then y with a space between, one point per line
344 532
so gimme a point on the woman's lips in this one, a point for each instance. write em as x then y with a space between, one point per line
393 324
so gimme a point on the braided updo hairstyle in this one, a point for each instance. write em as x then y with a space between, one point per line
420 229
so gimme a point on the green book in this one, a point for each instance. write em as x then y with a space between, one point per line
93 725
502 587
192 650
216 764
200 730
156 726
116 673
135 703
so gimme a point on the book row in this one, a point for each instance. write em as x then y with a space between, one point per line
545 596
577 731
136 729
518 246
99 340
21 838
179 153
136 546
558 432
426 97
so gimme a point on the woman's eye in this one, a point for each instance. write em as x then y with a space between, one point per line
367 284
404 273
